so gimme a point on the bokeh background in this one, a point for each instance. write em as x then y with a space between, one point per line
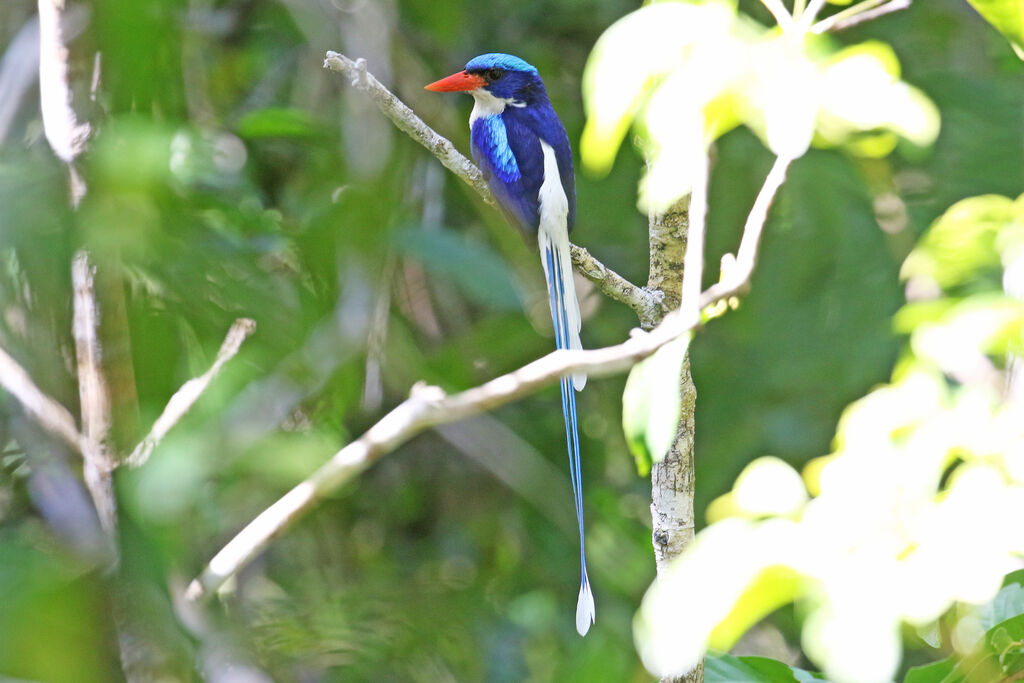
229 175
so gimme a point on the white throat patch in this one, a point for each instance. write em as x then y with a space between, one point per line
486 104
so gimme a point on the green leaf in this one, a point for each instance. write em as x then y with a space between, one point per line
729 669
931 673
1008 18
277 122
651 404
1008 603
473 266
963 243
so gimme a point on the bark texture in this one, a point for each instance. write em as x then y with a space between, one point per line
672 479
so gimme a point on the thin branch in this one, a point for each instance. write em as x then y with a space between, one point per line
430 406
185 397
779 11
738 277
406 120
813 9
51 415
646 302
608 282
858 14
693 259
426 407
93 393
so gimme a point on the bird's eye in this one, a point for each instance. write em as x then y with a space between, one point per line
494 74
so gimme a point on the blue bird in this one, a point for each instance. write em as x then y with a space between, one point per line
523 150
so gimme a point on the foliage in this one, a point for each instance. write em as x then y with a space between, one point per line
914 510
689 72
231 177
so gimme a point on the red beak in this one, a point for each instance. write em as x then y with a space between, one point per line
457 82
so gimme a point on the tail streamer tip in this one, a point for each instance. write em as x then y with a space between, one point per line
586 614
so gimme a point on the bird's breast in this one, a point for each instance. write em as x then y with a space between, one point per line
553 205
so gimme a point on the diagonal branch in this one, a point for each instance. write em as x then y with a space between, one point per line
430 406
185 397
858 14
640 299
51 415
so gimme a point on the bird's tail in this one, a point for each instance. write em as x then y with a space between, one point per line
565 316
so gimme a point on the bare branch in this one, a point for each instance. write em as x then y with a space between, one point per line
185 397
93 392
779 11
858 14
813 9
610 283
51 415
738 277
693 260
406 120
427 407
646 302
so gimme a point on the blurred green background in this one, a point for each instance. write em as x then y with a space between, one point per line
229 175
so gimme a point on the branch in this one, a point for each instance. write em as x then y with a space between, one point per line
693 258
647 303
426 407
813 9
858 14
738 276
93 393
609 282
781 14
185 397
51 415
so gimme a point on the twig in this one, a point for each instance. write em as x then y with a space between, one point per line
66 135
184 398
738 277
426 407
693 260
610 283
813 9
406 120
646 302
779 11
93 392
859 13
51 415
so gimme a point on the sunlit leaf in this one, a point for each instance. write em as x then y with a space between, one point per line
651 404
861 91
774 587
631 58
964 242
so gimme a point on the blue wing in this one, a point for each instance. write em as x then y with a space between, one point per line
507 149
510 157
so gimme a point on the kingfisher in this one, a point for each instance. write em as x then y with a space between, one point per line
521 147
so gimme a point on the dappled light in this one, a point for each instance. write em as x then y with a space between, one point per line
916 510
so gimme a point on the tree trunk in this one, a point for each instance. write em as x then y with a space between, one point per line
672 479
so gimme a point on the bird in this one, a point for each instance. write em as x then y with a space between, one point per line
522 148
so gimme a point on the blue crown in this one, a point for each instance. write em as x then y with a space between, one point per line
499 60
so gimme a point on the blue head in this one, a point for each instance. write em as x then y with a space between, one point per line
505 76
